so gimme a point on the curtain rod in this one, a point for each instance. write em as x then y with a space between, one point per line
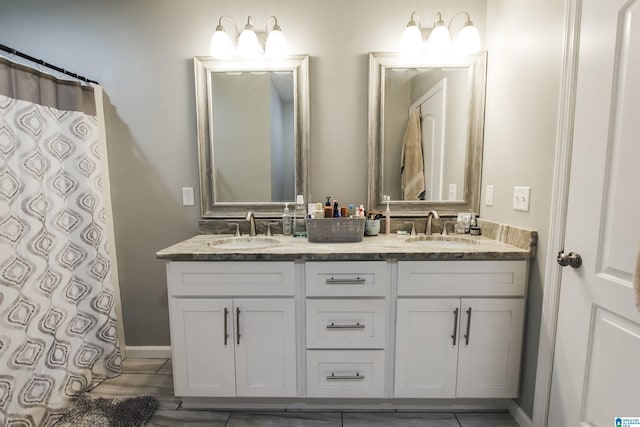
45 64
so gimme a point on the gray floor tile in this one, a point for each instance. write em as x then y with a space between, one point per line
402 419
166 369
142 366
486 419
284 419
163 418
134 385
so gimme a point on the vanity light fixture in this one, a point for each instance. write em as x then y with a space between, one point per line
248 43
439 41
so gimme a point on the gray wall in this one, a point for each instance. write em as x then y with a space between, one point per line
524 41
141 51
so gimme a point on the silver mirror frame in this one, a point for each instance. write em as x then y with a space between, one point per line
379 62
203 67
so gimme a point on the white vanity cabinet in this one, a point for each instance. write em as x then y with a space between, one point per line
459 328
346 328
233 328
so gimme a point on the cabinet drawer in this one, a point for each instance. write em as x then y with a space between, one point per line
346 278
462 278
210 278
346 323
345 373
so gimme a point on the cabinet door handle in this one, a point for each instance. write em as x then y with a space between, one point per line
455 325
468 334
356 326
356 281
357 376
238 325
226 330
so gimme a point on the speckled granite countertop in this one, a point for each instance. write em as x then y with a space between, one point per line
512 244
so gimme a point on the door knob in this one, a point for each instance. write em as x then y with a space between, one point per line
571 259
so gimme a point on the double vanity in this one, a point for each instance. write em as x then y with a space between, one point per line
392 320
429 322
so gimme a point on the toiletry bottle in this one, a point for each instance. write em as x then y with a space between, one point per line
336 209
286 220
328 210
299 216
387 217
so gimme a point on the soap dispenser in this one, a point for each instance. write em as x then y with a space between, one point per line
299 217
286 220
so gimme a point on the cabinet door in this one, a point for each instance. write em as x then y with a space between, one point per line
490 347
203 360
265 347
427 343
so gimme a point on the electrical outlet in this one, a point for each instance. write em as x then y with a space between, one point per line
187 196
521 198
488 196
453 190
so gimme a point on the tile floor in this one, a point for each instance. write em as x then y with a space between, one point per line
154 377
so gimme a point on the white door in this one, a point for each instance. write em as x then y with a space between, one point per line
490 347
596 368
427 341
265 347
202 344
432 120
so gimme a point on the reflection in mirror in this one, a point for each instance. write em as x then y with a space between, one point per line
253 137
253 134
426 123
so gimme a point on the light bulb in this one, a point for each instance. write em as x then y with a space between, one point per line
276 44
248 44
411 40
439 41
468 41
221 46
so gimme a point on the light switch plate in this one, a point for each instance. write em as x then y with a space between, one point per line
521 196
488 196
187 196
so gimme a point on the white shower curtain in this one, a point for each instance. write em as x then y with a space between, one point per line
58 330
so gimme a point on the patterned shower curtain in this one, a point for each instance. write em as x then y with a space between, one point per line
58 333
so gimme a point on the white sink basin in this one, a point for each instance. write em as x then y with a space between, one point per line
445 242
244 243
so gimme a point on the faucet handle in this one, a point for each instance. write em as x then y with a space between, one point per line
269 233
445 232
237 233
413 227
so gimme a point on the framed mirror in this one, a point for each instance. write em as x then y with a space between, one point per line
253 134
430 159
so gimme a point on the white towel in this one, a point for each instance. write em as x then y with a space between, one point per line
412 166
636 281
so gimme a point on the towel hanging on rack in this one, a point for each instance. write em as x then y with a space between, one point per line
412 166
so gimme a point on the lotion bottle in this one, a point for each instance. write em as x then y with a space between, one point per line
387 217
286 220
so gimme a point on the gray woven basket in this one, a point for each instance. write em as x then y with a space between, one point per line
335 230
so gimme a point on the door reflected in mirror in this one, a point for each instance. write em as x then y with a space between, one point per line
253 136
439 135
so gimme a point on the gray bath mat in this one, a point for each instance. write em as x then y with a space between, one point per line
109 412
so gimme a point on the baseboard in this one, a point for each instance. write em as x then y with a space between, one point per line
148 352
518 414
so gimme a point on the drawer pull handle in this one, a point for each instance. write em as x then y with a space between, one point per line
356 326
455 325
226 330
357 376
468 334
356 281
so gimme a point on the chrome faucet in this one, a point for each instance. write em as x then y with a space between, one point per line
430 216
252 223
